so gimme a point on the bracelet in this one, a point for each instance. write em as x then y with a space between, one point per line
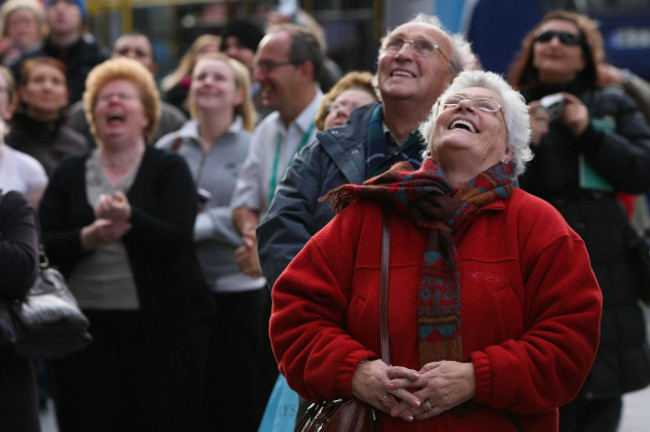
367 359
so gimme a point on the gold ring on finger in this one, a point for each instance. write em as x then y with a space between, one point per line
428 405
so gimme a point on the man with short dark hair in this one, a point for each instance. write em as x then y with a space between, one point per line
288 63
137 47
68 42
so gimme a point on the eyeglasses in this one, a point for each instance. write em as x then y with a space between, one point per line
484 104
335 106
121 96
422 47
267 66
568 39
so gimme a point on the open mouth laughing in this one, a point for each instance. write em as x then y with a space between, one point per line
463 124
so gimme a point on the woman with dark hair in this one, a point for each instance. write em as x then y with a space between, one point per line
590 143
38 125
18 171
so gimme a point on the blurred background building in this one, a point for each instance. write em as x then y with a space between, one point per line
353 27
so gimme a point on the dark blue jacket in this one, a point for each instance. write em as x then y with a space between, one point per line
337 157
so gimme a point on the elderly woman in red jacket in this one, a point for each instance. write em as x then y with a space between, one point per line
494 310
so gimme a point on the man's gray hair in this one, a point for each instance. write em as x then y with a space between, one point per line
515 112
462 57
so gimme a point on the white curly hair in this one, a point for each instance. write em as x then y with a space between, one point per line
515 112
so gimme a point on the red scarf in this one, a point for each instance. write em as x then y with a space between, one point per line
431 202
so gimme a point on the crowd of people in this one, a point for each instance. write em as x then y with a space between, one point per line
226 226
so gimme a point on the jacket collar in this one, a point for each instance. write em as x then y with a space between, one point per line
190 128
345 145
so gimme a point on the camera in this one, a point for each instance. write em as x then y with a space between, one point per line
553 105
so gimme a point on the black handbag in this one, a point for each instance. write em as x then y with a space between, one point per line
353 415
47 323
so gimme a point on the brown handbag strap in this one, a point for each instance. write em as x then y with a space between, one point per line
383 292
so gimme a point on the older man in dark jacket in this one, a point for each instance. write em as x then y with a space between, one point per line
416 62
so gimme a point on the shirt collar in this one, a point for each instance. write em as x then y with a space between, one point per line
306 117
191 127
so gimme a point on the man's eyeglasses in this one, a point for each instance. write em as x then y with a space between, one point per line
568 39
267 66
483 104
422 47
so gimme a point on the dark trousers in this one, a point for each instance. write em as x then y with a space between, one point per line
598 415
18 396
231 398
125 381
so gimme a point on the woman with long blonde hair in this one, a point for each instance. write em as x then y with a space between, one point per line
214 143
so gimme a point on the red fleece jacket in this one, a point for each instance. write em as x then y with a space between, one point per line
530 311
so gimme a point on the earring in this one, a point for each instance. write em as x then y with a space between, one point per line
503 161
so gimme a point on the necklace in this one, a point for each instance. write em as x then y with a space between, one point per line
121 162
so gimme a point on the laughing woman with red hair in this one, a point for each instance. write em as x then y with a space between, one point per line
118 222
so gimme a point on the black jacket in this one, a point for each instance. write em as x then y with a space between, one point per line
616 145
48 142
79 58
171 290
18 264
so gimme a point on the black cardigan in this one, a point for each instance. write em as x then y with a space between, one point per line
171 289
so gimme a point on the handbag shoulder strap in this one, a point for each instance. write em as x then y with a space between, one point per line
383 292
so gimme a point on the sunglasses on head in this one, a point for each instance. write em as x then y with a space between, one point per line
569 39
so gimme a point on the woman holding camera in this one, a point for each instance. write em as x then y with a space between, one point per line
118 222
590 143
214 143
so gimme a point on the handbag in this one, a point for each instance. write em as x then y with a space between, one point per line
353 415
47 323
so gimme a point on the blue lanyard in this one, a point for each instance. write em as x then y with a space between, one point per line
276 160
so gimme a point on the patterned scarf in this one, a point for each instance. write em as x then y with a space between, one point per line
377 161
432 203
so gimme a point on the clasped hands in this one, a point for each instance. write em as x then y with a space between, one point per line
112 213
414 395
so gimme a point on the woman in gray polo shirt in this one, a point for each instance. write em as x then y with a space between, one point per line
215 143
